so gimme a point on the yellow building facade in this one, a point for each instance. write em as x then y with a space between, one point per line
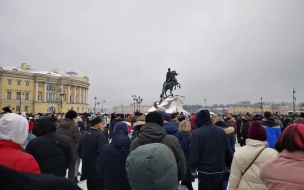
26 90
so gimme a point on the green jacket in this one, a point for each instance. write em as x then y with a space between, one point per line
152 167
153 133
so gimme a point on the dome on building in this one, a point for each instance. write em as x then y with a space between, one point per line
71 73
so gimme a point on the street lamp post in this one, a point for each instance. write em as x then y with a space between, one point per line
102 101
61 96
205 103
95 105
20 102
293 101
135 99
139 101
262 105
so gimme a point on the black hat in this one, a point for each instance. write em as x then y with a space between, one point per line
95 121
45 125
155 117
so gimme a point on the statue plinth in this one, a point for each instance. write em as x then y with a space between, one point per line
172 105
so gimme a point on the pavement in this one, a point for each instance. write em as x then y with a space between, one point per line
83 184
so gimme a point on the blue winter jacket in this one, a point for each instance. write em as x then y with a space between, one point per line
173 130
273 131
112 160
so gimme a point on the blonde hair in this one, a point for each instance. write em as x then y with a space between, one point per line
78 118
299 120
184 126
142 118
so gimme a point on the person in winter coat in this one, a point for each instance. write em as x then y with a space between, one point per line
286 171
112 124
287 121
173 130
52 151
185 128
161 175
175 120
244 130
272 128
81 128
69 128
244 176
112 161
229 130
193 125
90 146
14 180
13 132
136 127
209 152
153 132
30 135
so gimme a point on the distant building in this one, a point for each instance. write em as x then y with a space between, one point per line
257 110
27 90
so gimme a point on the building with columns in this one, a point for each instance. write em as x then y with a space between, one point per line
27 90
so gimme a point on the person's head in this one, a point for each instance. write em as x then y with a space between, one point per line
267 114
13 127
173 116
203 117
142 118
153 159
219 118
228 116
98 123
46 125
299 120
161 110
77 119
71 114
155 117
292 138
184 126
257 132
167 117
59 116
121 128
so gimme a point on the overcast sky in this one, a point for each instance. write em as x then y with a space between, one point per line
225 51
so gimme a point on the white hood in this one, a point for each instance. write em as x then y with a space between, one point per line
13 127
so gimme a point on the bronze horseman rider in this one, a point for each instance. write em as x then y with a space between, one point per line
169 84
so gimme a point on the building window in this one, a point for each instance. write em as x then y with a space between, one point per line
27 83
50 97
9 95
51 87
72 108
9 81
18 82
27 96
26 108
77 109
18 108
18 95
39 84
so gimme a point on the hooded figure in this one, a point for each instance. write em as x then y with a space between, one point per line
13 132
209 152
111 162
153 132
152 167
52 151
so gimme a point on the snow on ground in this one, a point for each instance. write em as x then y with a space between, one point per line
83 184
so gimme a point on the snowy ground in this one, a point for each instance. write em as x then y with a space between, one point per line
83 184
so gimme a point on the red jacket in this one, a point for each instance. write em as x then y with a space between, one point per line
12 157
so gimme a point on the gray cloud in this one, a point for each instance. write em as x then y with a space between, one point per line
225 51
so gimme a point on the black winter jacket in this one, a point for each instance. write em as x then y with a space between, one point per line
112 162
52 151
189 177
89 148
209 149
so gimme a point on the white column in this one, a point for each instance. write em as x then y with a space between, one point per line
36 95
69 93
74 94
80 99
87 95
45 89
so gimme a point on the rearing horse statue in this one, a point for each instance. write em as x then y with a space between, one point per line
169 84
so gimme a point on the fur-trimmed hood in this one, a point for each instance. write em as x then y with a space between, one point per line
138 123
228 130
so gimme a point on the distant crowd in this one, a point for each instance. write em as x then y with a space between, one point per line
151 151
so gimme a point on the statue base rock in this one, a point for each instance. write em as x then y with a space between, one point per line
172 105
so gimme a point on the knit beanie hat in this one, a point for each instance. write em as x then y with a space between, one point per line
167 117
45 125
218 118
155 117
257 132
95 121
121 128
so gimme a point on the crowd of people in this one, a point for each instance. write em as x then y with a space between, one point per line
157 150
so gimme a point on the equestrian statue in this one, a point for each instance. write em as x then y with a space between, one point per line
169 84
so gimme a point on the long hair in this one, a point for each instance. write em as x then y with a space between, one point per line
184 126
